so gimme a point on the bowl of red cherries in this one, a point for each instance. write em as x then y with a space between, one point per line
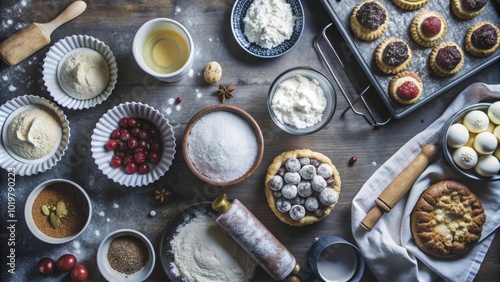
133 144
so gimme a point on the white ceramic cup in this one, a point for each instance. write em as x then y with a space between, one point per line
160 24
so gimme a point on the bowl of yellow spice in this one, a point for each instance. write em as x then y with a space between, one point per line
57 211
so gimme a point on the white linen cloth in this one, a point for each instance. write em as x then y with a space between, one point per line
389 249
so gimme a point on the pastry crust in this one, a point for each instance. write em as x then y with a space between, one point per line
440 70
362 32
379 57
462 12
473 50
416 31
401 78
272 170
410 4
447 220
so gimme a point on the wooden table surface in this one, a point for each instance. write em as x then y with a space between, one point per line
115 22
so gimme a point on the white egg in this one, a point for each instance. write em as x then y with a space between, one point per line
457 135
496 132
494 112
487 166
465 157
485 143
476 121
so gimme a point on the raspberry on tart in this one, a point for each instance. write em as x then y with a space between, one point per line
428 28
446 59
467 9
393 55
369 20
482 39
410 4
406 87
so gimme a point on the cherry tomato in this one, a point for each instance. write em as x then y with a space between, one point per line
66 262
79 273
46 266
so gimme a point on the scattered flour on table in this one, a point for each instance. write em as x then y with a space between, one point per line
97 233
115 205
12 88
101 213
204 252
169 111
190 73
374 163
268 23
299 102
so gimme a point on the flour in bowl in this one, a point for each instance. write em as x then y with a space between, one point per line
268 23
204 252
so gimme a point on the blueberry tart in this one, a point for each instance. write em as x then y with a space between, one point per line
410 4
428 28
406 88
369 20
467 9
482 39
302 187
446 59
393 55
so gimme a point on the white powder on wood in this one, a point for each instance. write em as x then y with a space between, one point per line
299 102
84 74
268 23
222 146
204 252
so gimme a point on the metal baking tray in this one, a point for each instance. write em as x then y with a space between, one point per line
399 26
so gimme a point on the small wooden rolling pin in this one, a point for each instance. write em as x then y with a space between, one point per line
34 37
399 187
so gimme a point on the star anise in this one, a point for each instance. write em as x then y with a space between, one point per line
162 195
225 91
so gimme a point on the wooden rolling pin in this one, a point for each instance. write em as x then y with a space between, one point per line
34 37
399 187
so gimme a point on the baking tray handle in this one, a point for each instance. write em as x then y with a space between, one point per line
370 119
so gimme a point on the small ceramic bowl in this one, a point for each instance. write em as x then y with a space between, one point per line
144 33
17 164
111 274
78 196
195 165
55 58
328 91
448 151
238 13
334 259
110 121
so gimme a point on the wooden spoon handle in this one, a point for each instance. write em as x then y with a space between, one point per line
399 186
72 11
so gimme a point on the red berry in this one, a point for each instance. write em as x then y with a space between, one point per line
153 132
79 273
132 122
46 266
123 122
131 168
143 168
154 157
125 136
178 100
135 131
111 145
408 90
132 143
120 154
66 262
352 160
115 134
122 145
143 144
116 161
155 146
127 160
140 157
431 26
144 135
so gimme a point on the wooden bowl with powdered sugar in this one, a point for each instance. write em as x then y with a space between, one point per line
222 145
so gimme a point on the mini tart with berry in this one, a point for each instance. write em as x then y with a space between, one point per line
406 87
482 39
467 9
446 59
393 55
302 187
369 20
428 28
410 4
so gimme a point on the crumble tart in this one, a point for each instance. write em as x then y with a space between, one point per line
482 39
428 28
369 20
446 59
406 87
467 9
393 55
302 187
447 220
410 4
